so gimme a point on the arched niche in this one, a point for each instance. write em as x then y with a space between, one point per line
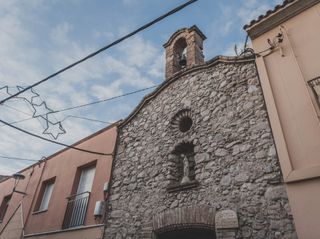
182 167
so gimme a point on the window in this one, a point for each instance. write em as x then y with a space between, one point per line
182 121
78 203
86 180
45 195
4 206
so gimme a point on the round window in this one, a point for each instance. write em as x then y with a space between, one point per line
182 121
185 124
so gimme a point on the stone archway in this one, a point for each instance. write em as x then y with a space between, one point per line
195 222
192 222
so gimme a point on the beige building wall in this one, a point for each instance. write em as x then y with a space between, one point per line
285 71
13 229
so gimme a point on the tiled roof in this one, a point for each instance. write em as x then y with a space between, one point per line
2 177
268 13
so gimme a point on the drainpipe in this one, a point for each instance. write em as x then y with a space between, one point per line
33 198
106 212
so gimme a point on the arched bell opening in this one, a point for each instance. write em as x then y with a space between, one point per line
180 54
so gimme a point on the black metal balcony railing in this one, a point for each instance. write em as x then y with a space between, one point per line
76 210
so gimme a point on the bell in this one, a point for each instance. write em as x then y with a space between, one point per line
183 61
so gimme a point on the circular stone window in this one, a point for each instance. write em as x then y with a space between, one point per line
182 121
185 124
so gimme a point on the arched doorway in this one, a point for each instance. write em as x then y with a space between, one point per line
187 233
190 222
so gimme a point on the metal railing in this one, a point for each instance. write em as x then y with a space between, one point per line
76 211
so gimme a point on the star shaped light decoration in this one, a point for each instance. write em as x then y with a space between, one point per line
54 129
28 95
39 107
4 91
41 110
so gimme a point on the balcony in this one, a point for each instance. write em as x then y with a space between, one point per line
76 210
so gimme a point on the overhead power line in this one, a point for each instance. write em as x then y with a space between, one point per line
51 141
84 105
85 118
177 9
65 118
104 100
16 158
18 121
15 109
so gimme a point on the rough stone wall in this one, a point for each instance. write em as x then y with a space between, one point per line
236 166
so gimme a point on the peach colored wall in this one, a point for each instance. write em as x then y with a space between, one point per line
28 185
63 167
86 233
293 112
13 229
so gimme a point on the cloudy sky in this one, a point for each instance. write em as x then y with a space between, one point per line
39 37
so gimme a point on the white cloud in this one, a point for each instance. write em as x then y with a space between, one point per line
226 27
157 69
103 92
138 52
129 66
251 9
59 34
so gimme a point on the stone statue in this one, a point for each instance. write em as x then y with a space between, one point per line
186 169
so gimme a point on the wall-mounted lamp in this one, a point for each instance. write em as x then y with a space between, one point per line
315 86
17 177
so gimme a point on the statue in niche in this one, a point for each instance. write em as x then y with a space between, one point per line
186 169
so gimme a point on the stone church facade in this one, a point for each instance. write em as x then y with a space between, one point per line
196 158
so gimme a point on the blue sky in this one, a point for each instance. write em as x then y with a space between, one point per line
38 37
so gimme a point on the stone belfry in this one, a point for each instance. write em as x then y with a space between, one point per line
184 50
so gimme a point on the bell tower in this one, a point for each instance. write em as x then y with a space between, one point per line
184 49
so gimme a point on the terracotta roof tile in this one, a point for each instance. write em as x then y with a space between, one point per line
268 13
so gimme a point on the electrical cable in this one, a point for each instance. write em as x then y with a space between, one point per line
104 100
16 158
87 104
171 12
15 109
68 116
18 121
18 110
85 118
54 142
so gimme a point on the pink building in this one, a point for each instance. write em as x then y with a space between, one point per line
288 42
65 194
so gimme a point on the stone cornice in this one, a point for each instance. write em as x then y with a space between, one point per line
280 14
174 35
214 61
